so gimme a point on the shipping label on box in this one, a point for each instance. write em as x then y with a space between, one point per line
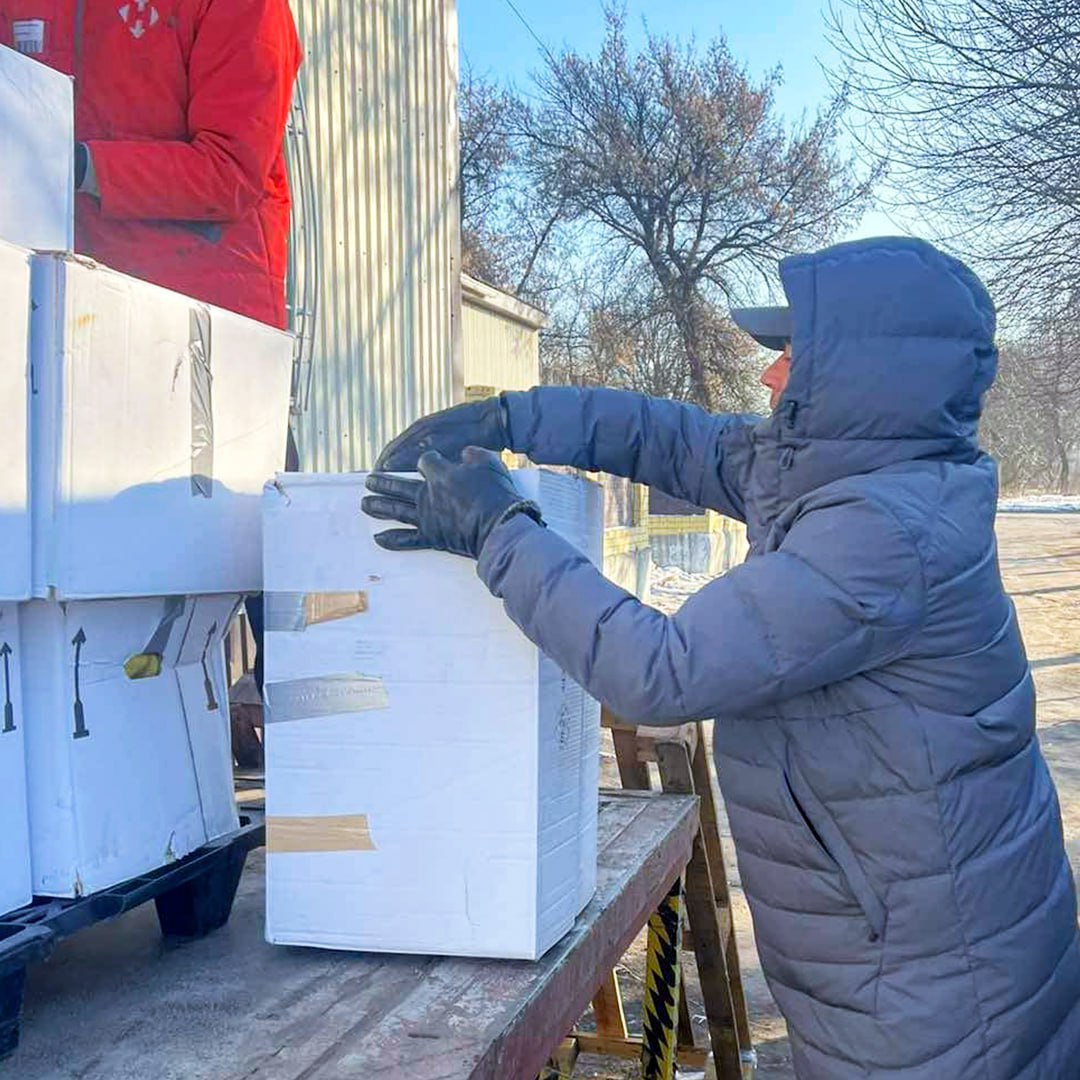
128 760
157 421
37 148
431 777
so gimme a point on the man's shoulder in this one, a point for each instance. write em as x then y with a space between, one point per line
943 512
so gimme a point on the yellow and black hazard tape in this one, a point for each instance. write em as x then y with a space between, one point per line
660 1021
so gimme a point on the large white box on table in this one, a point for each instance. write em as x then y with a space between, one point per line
37 154
15 887
14 428
431 778
156 422
128 756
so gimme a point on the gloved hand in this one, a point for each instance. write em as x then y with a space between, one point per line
477 423
454 508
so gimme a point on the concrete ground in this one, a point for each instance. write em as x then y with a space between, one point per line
111 991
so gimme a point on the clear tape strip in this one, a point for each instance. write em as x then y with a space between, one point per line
324 695
202 409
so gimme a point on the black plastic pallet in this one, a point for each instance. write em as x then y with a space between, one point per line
193 897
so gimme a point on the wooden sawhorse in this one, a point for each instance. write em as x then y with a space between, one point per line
681 757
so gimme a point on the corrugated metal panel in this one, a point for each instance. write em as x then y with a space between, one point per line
500 339
380 83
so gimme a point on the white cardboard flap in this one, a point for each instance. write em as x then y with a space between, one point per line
128 766
157 420
37 141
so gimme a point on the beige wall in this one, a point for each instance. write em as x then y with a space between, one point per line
500 338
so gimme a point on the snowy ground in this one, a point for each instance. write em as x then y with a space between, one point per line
1040 504
669 587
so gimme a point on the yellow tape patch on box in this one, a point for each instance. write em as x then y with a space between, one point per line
337 832
143 666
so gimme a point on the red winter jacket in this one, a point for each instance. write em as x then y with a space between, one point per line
183 104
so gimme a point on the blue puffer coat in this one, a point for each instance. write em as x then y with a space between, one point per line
897 830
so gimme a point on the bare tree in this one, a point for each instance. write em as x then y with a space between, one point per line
675 157
620 332
488 118
509 234
975 106
1032 422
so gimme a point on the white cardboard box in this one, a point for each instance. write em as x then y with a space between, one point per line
15 428
37 143
15 889
148 466
129 764
431 777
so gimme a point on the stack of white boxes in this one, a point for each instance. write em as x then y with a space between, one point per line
431 777
140 430
15 880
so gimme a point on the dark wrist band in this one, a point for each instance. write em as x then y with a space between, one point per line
527 507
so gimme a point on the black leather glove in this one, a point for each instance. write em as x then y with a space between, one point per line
454 508
478 423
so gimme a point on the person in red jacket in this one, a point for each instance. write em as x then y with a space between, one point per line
180 113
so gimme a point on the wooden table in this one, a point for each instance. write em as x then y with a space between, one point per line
231 1006
499 1020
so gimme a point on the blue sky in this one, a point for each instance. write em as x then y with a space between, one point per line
760 33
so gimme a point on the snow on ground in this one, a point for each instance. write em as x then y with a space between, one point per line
1040 504
669 587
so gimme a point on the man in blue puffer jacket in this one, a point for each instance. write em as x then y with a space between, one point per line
898 833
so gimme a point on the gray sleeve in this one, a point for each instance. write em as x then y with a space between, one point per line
680 449
813 613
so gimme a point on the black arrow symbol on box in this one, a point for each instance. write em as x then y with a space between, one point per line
9 709
208 683
79 640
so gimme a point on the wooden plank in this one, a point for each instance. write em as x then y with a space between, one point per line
686 1022
630 1048
633 775
677 774
562 1062
608 1008
710 828
418 1018
649 738
650 863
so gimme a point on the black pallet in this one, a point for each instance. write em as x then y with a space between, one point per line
193 896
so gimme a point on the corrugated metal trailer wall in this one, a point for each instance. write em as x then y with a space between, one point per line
379 82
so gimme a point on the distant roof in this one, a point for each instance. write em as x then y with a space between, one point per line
482 295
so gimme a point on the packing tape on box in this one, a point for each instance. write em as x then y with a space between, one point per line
324 695
297 611
148 663
335 832
202 407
